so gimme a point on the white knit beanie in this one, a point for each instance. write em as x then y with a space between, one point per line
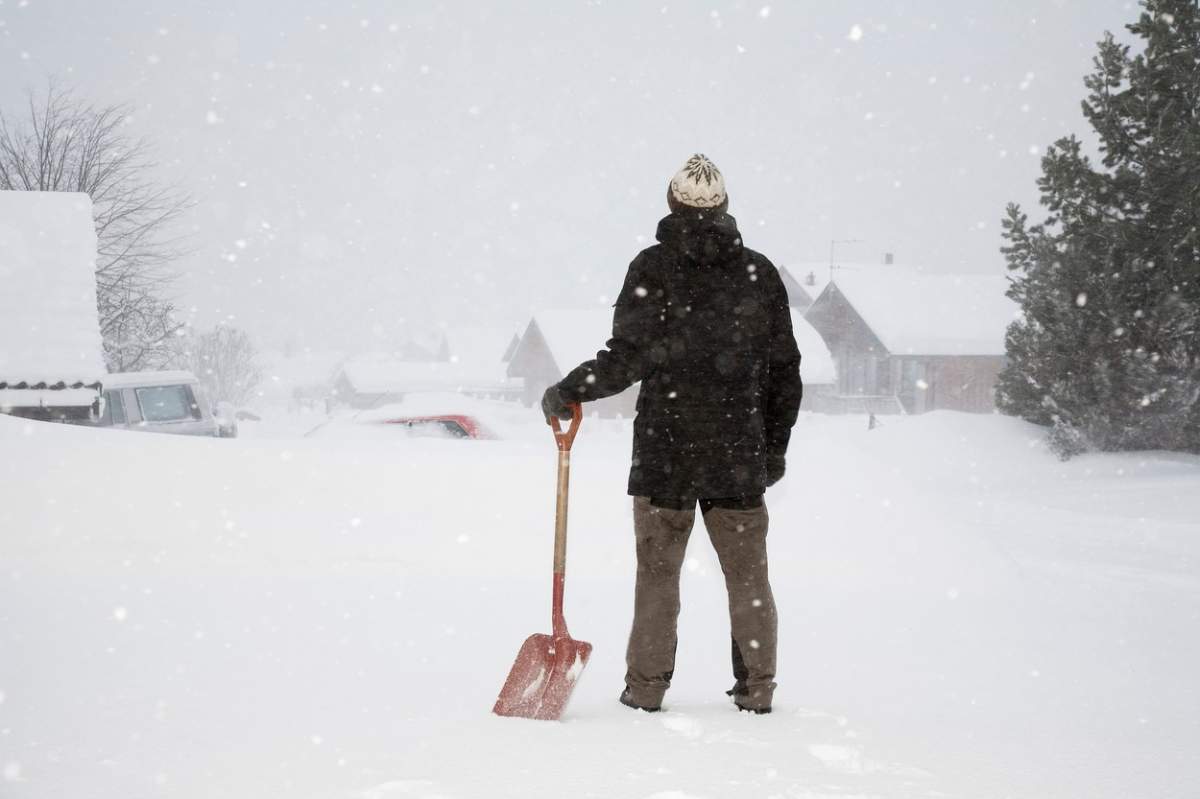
699 184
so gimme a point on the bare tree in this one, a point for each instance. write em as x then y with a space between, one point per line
61 143
224 359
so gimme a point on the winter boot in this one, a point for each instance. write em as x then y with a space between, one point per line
627 700
758 702
760 711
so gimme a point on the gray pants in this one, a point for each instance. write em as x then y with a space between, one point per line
740 539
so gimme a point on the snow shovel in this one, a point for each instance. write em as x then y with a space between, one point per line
547 667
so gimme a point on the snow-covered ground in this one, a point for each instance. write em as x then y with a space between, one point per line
288 616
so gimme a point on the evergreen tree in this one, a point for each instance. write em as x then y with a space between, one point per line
1108 349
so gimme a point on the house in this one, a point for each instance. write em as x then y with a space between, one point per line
905 341
554 343
51 357
557 341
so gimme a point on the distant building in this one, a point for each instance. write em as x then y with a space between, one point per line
51 357
907 341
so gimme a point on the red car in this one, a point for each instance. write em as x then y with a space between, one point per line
451 425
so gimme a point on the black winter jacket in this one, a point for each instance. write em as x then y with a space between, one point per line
704 323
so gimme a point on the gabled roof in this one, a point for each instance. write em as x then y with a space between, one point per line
49 327
917 313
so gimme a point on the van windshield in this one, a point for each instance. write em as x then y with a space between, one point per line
167 404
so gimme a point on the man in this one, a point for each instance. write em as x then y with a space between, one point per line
703 323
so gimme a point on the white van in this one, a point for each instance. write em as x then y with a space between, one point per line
160 402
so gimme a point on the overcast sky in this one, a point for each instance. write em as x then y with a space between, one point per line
362 169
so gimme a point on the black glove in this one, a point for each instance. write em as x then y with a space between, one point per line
776 466
555 404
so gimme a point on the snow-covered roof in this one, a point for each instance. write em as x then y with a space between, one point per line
574 336
816 362
166 377
49 328
382 376
918 313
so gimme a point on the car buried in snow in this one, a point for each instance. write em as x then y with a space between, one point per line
447 425
161 402
420 415
453 425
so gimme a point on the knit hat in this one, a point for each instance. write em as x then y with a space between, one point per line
699 184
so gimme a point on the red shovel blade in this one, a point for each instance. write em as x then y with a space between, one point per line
543 677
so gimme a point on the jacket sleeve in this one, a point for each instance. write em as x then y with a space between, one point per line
783 389
636 344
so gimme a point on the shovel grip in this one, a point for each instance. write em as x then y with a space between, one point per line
564 440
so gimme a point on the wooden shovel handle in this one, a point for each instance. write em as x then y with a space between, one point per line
565 440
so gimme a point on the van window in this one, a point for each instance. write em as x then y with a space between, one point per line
167 404
114 408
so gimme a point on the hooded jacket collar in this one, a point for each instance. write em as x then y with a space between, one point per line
704 236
